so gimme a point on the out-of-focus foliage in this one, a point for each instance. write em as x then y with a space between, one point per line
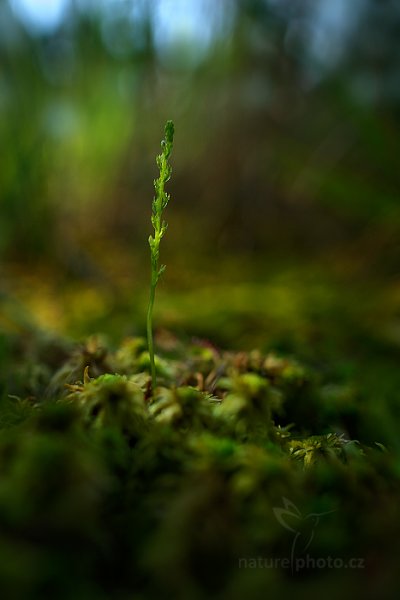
286 112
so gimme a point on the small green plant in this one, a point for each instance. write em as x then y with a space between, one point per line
160 201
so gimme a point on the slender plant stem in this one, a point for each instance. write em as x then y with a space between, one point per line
160 201
150 335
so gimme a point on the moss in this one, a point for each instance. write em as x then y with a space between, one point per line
167 490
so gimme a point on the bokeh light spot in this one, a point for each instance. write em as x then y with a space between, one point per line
40 15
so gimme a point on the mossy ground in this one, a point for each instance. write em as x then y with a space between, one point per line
232 480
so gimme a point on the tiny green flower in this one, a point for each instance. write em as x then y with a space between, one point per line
160 201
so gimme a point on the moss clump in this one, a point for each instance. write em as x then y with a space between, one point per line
108 489
111 401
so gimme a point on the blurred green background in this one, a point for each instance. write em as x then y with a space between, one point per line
284 219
